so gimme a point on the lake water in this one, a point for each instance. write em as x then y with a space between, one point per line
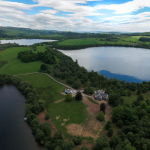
15 133
123 63
25 41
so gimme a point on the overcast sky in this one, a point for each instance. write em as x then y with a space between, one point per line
77 15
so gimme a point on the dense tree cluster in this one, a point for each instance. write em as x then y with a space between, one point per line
29 56
144 39
8 45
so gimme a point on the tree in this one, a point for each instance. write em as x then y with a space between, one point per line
68 98
143 105
89 90
100 116
39 136
46 128
110 132
119 123
139 91
84 148
77 140
129 147
108 124
43 67
114 141
129 93
101 143
58 135
78 96
114 99
140 97
103 107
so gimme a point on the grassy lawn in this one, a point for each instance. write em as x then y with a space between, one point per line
14 65
133 97
73 112
129 99
48 90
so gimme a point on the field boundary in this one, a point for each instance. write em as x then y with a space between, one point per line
47 75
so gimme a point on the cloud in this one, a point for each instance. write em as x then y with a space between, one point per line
127 7
77 16
16 5
72 6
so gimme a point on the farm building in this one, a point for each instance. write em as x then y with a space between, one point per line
100 95
69 91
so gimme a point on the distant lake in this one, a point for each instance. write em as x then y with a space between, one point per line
123 63
15 133
25 41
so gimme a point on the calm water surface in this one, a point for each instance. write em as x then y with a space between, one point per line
15 133
26 41
123 63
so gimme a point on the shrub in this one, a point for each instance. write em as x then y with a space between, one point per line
108 124
77 140
110 132
46 116
84 148
68 98
100 116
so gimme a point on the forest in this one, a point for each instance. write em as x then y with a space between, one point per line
144 39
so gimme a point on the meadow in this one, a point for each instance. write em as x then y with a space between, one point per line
87 41
15 66
62 113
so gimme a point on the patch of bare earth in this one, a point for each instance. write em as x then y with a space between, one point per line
62 93
60 100
92 127
41 118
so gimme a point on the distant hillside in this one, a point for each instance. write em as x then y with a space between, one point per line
24 32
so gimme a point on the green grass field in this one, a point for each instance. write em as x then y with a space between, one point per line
14 65
86 41
134 96
139 36
49 90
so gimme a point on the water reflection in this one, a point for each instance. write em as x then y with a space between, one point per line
134 62
25 41
120 77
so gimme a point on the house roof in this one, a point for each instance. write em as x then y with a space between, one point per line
100 93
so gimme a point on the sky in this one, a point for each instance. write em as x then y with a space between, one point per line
77 15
